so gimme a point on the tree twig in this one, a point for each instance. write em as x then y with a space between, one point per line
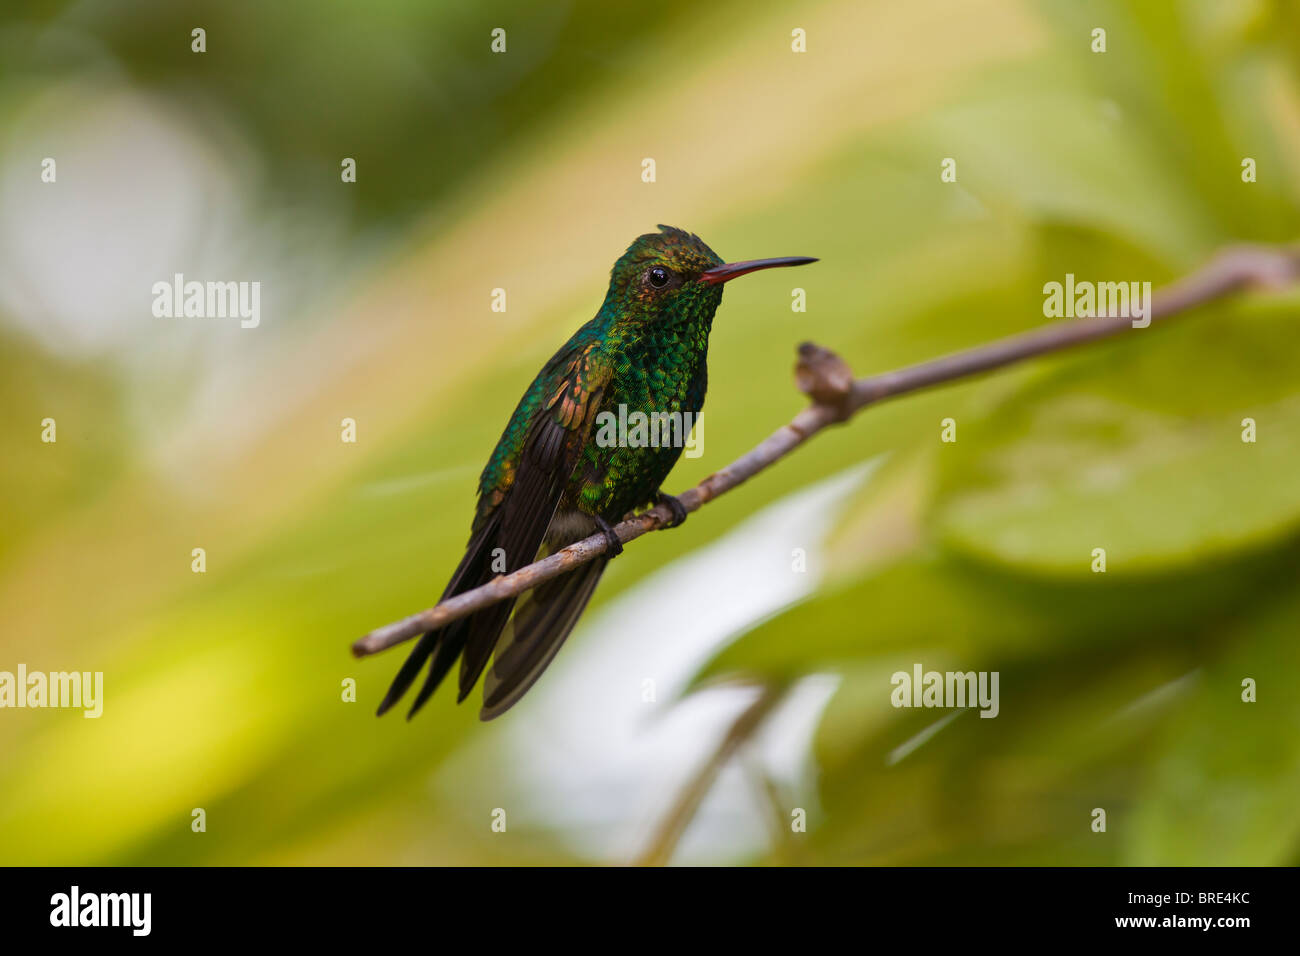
669 832
836 397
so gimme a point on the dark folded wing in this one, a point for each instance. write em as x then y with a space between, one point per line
550 455
509 534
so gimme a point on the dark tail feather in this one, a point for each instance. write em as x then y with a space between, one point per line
485 628
545 617
449 648
445 644
410 670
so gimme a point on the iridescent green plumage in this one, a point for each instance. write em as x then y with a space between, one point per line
645 349
553 478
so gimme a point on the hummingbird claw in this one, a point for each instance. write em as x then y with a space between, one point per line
675 506
613 546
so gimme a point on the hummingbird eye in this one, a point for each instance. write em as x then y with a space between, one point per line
658 277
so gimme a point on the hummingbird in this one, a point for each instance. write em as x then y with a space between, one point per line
551 481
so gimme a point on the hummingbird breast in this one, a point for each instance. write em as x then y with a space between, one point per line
646 416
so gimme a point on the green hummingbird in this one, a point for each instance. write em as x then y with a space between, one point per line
555 478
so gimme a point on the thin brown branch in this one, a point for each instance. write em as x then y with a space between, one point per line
775 806
666 837
837 397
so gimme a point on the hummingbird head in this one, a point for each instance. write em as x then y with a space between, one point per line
671 276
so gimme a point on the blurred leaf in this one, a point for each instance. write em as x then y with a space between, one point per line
1224 791
1137 450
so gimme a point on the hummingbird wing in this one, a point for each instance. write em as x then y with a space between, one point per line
519 494
572 399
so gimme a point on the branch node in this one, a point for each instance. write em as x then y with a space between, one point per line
825 378
1263 267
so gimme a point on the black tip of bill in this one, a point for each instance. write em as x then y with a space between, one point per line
732 270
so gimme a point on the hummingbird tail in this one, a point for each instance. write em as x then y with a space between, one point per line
425 646
543 620
446 644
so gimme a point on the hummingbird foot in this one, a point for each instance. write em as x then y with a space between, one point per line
674 505
613 546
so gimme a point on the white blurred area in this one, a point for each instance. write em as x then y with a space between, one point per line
592 762
139 195
148 187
